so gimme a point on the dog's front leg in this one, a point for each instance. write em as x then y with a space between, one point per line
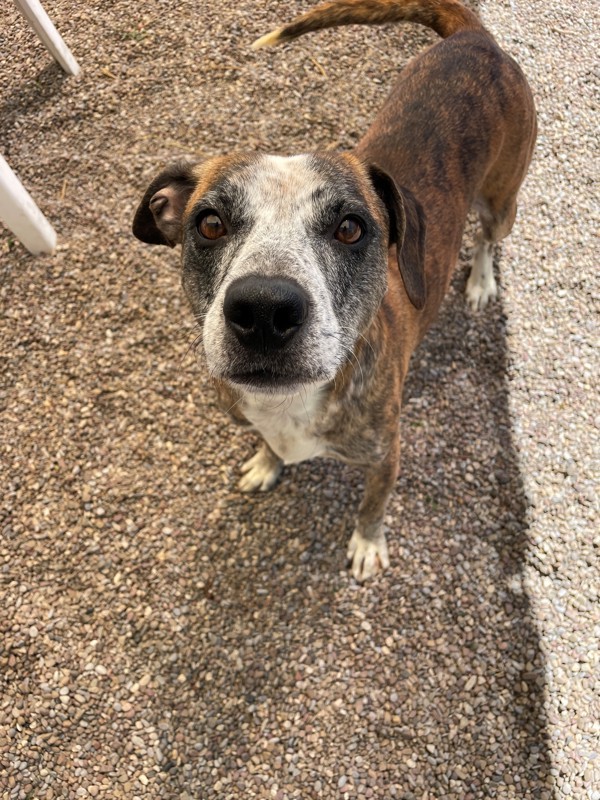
367 550
261 471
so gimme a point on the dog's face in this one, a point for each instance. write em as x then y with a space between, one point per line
284 259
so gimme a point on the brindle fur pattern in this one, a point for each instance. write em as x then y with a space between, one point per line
457 131
445 17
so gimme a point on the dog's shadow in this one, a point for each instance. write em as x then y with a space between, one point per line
432 675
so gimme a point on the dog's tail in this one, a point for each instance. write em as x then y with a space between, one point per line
445 17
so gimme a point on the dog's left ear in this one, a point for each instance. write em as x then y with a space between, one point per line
158 217
407 232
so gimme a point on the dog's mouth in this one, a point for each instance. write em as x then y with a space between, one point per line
269 381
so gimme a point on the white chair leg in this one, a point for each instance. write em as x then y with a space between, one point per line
21 215
41 23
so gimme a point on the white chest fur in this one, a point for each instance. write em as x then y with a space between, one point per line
287 424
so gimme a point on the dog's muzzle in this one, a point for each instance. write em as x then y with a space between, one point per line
265 314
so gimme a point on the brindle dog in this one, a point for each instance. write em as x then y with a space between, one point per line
317 275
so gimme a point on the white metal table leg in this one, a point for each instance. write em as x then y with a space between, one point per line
41 23
21 215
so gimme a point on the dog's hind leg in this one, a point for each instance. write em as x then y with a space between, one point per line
481 286
262 471
495 225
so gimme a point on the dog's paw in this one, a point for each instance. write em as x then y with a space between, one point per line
261 472
480 290
367 557
481 286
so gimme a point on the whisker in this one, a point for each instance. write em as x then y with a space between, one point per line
308 420
186 326
360 335
368 343
234 404
350 353
359 365
193 346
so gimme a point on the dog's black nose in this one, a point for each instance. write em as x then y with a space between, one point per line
265 313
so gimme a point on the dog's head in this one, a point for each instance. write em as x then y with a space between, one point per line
284 259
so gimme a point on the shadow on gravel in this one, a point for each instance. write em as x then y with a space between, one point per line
32 95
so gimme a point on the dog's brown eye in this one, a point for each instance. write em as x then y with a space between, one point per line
349 231
211 226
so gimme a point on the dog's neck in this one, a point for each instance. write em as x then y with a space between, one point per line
288 423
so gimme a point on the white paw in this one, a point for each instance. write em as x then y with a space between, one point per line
367 557
480 290
481 286
261 472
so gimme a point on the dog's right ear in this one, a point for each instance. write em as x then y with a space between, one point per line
158 217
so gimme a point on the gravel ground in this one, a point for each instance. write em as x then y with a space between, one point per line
164 636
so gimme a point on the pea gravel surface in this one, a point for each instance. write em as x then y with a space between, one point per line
164 636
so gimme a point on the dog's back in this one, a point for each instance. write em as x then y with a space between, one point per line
457 129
